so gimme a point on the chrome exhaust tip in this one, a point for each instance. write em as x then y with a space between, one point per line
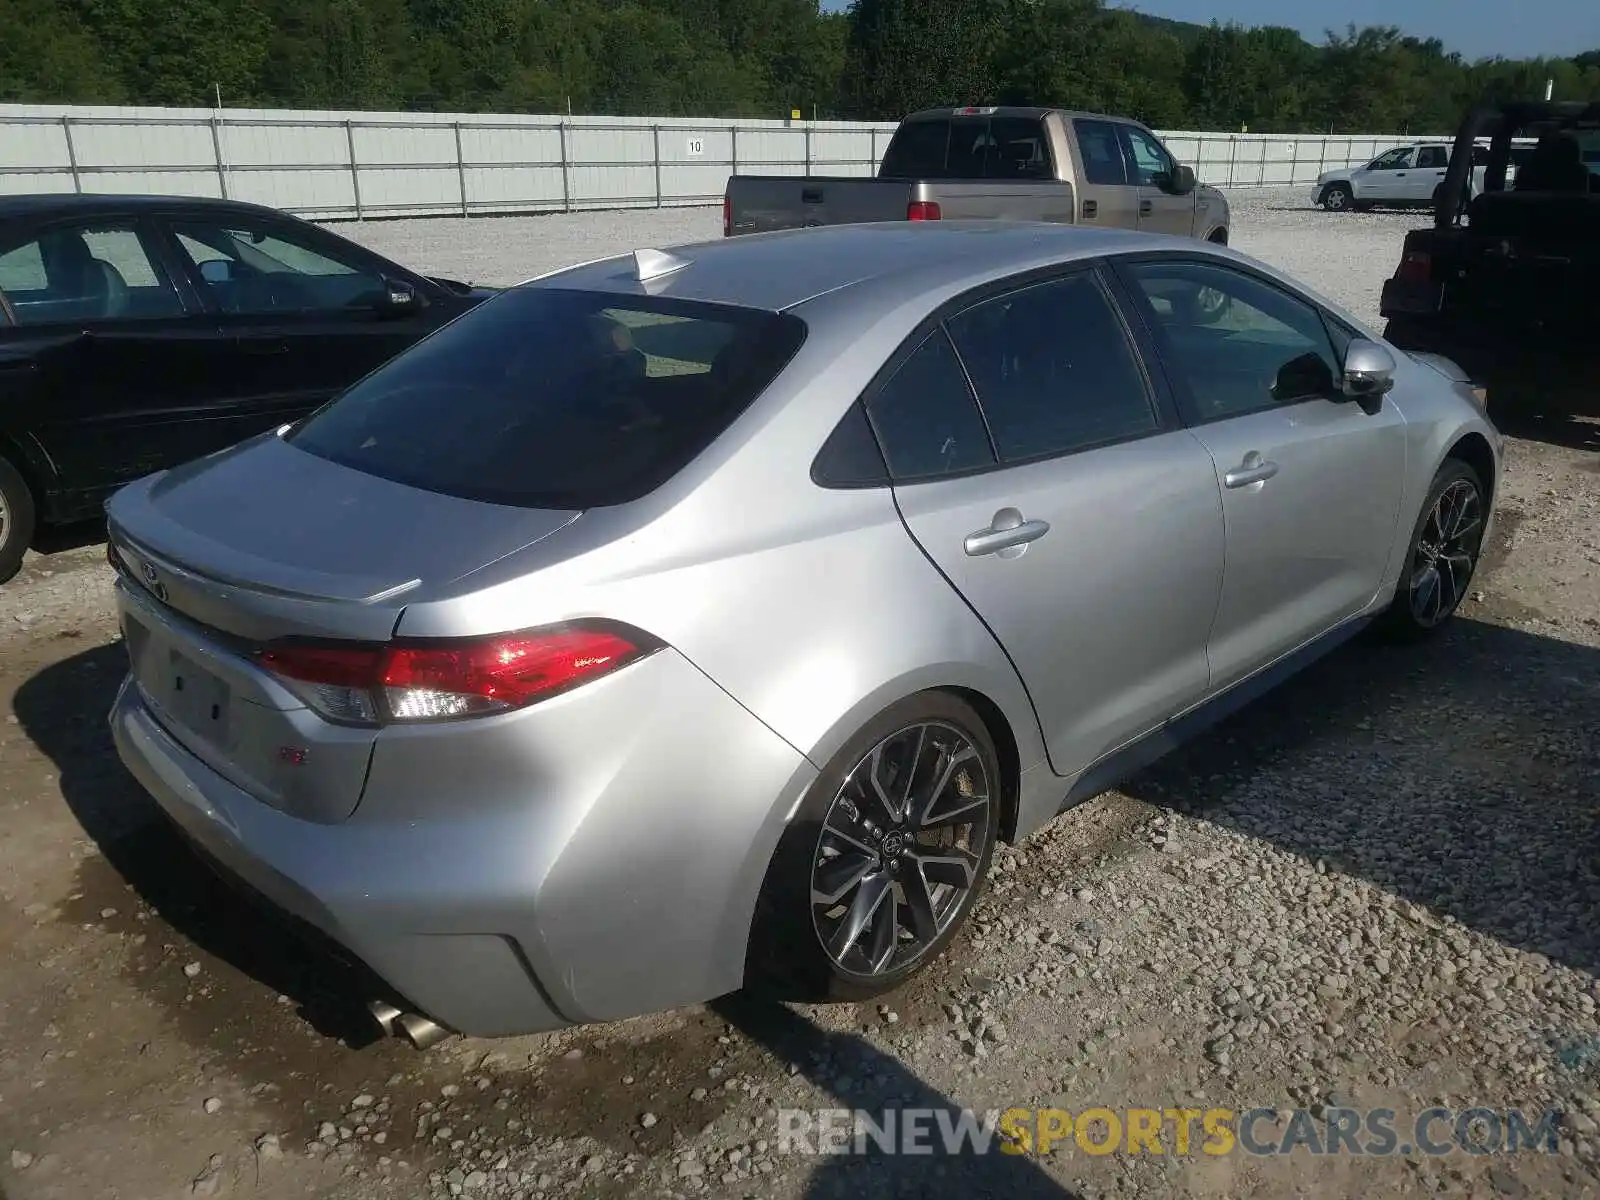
421 1032
385 1014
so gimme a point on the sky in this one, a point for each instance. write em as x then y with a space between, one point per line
1475 28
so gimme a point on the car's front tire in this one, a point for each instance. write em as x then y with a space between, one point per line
881 865
1446 544
1337 197
16 519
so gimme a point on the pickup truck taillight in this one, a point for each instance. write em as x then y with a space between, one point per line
1416 266
727 215
923 210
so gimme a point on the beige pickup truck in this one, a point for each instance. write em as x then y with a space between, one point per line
1020 164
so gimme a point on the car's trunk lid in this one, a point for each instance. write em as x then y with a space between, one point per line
263 542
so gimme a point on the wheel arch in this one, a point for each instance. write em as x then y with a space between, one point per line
1473 449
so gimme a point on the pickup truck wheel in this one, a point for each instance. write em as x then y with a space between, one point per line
16 519
1337 197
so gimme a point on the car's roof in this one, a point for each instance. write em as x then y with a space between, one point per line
45 204
782 270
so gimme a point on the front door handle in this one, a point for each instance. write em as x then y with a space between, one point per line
1254 469
1009 530
1145 208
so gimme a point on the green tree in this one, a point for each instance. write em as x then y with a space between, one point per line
904 55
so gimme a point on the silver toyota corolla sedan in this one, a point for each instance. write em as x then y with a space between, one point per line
701 617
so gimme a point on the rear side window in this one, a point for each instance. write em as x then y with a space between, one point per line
1434 156
1053 369
925 417
1103 161
550 398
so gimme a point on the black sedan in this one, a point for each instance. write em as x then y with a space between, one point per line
138 332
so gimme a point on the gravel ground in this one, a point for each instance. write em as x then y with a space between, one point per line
1376 890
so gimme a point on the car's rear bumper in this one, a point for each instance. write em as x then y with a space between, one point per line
496 918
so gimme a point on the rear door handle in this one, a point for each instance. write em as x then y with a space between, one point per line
1008 530
1145 208
1254 469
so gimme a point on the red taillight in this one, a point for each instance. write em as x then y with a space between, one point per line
424 681
727 215
923 210
1416 266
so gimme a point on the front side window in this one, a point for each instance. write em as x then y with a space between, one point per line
553 398
1238 343
1053 369
1393 160
1147 157
1103 161
265 270
91 272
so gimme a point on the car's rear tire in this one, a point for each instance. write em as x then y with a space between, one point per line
17 516
1442 556
1337 197
870 884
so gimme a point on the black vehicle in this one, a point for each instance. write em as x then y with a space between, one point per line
138 332
1507 282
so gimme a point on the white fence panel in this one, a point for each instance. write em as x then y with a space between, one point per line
330 165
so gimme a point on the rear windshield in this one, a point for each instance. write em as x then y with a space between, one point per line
969 147
551 398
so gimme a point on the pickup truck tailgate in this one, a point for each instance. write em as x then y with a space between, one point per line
761 203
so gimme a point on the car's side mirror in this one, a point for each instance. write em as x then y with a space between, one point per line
398 298
1180 181
1368 373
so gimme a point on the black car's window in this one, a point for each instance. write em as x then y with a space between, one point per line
548 398
1053 369
926 419
1148 160
92 272
260 270
1433 156
1240 344
1103 161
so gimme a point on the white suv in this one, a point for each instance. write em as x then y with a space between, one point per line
1406 176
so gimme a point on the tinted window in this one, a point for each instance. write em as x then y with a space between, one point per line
925 417
1021 150
556 399
1435 156
100 271
917 150
1103 162
1053 369
268 270
1148 158
850 457
1240 345
970 147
